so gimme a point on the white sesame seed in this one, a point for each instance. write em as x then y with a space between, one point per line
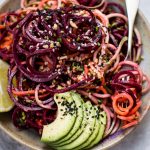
46 63
45 46
73 24
55 26
57 21
70 31
58 44
41 67
79 48
63 57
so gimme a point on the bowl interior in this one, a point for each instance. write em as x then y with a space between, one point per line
31 139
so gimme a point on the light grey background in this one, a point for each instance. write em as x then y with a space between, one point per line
137 140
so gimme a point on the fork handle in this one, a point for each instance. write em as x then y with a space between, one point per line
132 8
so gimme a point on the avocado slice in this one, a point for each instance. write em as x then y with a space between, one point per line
101 131
79 105
95 131
88 129
65 120
80 130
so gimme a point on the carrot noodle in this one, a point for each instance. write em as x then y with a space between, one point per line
130 124
80 45
117 98
135 109
86 70
22 93
104 95
128 118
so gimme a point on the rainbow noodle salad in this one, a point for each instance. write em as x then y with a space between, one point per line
76 45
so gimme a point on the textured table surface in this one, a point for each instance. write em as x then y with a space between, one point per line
137 140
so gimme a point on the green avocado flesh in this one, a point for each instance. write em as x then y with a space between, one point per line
90 112
65 119
78 125
80 130
79 104
101 130
94 132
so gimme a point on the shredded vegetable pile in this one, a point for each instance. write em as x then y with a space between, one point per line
58 46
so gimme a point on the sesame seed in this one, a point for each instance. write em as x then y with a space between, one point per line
79 48
45 46
57 21
46 63
55 26
73 24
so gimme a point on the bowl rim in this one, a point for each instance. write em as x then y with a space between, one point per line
128 131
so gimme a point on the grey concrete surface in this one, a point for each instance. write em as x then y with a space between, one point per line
137 140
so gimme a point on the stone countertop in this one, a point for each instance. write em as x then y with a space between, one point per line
139 139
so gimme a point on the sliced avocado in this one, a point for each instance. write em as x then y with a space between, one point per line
65 120
88 129
80 130
95 131
101 131
79 105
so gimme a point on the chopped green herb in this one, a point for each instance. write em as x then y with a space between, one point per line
98 44
99 101
96 28
59 40
78 39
